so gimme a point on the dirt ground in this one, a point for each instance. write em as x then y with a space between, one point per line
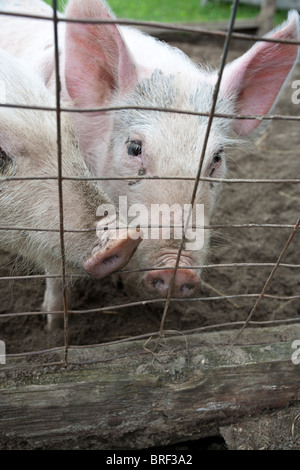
275 156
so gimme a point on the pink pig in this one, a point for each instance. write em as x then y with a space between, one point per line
35 204
105 64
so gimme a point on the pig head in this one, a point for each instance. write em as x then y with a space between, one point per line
119 66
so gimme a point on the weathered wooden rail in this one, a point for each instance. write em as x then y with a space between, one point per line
192 386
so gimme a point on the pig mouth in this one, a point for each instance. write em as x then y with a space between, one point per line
168 259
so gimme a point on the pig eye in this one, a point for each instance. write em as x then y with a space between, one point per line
216 162
134 148
5 161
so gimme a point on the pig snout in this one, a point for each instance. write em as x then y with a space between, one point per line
186 282
113 256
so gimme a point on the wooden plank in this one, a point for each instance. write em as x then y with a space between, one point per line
187 389
266 17
249 25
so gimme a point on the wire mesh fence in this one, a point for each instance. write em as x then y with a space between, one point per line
270 269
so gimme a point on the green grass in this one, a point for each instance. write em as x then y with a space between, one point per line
178 10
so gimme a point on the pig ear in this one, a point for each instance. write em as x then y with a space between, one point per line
96 59
255 79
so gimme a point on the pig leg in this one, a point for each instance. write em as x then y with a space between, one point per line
53 302
112 256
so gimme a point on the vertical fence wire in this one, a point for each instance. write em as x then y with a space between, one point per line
208 128
269 279
60 181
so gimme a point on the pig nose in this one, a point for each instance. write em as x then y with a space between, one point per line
114 256
185 285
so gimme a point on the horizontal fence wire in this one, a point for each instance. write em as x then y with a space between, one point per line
205 227
155 301
162 178
139 270
107 109
59 109
152 24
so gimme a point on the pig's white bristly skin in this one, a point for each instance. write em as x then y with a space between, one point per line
28 140
136 69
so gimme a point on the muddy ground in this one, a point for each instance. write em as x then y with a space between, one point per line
276 155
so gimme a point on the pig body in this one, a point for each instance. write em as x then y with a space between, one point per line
28 150
106 65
